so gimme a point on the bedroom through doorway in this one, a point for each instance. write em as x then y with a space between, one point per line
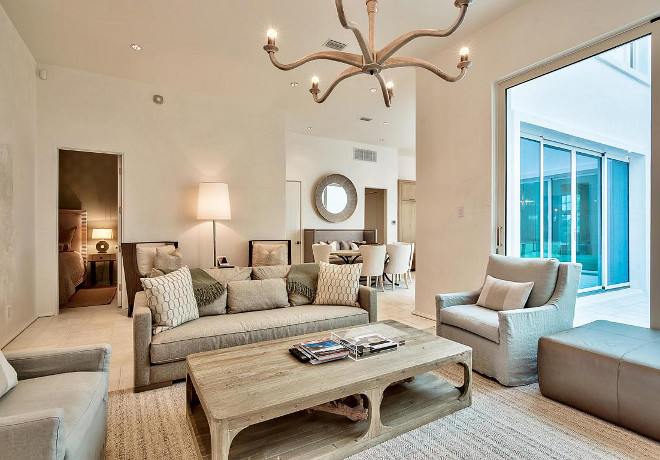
89 228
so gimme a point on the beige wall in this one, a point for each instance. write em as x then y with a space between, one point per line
310 158
455 132
18 124
167 150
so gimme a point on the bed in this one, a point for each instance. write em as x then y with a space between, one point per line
72 251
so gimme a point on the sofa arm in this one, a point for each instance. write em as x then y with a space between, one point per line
33 435
142 331
368 299
39 363
457 298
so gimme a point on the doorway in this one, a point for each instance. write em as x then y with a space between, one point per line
294 219
375 212
89 228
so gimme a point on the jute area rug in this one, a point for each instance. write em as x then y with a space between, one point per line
502 423
87 297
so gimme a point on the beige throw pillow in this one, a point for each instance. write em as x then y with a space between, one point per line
253 295
171 299
168 260
338 284
224 276
502 295
267 254
270 272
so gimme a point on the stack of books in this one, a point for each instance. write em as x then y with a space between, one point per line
322 351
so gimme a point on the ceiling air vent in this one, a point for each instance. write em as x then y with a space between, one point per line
365 119
334 45
365 155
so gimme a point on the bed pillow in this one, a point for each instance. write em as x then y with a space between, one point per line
338 284
254 295
64 247
502 295
171 299
168 260
66 237
8 376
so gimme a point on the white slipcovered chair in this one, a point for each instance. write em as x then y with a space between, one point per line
399 262
505 343
373 263
321 252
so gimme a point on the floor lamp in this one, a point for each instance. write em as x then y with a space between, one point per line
213 204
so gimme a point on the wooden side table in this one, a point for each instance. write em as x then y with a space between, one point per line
110 258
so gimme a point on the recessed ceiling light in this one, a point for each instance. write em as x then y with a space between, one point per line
386 122
136 47
294 83
310 128
373 90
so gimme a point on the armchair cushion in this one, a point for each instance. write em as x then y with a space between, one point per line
472 318
543 272
78 394
39 363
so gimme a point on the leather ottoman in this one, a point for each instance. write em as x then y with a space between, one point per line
607 369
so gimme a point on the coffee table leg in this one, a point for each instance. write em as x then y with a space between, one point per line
221 439
466 388
375 428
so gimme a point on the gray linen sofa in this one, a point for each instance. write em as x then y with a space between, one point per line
504 343
58 410
161 358
607 369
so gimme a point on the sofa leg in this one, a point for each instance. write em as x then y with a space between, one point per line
153 386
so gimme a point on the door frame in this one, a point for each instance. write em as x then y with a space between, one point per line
121 292
300 236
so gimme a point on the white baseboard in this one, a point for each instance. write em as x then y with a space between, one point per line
424 315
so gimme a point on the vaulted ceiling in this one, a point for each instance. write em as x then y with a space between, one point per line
215 47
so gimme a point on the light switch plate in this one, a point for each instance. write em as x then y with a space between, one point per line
461 211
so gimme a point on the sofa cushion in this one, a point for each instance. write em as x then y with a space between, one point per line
543 272
475 319
270 272
214 332
502 295
253 295
224 276
79 394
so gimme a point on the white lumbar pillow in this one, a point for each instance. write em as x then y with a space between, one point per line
8 377
502 295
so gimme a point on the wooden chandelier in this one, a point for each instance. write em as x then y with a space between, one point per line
372 61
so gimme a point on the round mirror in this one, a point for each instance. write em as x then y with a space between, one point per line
336 198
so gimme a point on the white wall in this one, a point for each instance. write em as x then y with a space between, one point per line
168 149
456 138
407 167
18 124
310 158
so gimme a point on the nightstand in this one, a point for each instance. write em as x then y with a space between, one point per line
94 258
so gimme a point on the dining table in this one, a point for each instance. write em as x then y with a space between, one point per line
349 256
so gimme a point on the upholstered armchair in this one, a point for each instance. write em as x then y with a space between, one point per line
58 410
505 343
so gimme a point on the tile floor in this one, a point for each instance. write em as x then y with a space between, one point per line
109 324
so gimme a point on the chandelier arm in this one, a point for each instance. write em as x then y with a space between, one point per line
354 60
352 26
384 54
383 87
393 63
350 72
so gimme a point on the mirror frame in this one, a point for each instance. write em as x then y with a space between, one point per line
351 194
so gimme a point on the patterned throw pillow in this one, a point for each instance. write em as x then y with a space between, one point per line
502 295
168 260
171 299
267 254
338 284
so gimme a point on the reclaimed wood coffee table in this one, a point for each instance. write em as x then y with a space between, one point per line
250 401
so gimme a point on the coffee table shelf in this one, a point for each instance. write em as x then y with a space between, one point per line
302 435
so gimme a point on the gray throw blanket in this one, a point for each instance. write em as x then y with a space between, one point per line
302 280
207 290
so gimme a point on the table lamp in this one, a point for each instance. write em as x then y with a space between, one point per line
213 204
102 234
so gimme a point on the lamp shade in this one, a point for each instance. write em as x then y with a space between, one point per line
213 201
102 234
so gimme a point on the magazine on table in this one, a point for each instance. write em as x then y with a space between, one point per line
322 351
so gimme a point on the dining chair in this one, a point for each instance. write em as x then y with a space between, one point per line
410 261
373 263
398 263
322 252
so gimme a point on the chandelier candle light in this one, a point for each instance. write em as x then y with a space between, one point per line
373 61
